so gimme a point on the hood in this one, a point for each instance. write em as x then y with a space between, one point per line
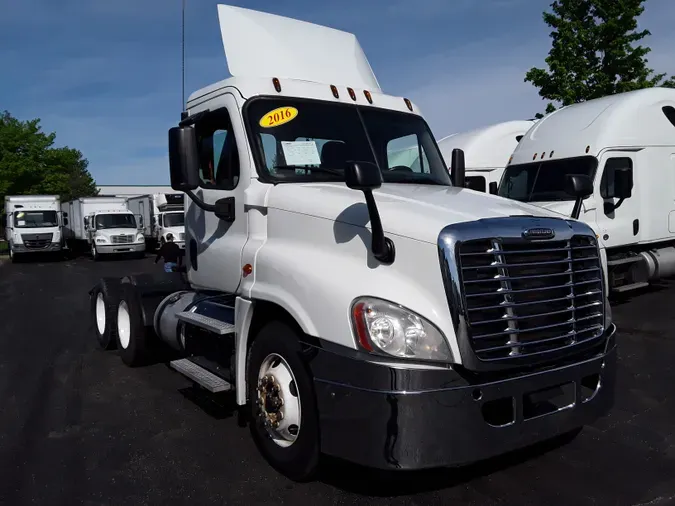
414 211
107 232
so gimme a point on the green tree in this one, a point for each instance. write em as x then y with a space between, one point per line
29 164
594 52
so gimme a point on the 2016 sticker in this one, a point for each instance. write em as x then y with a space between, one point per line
278 117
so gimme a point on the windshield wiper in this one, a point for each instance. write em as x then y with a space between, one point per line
324 170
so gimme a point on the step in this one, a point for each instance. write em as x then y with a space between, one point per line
628 288
621 261
218 327
199 375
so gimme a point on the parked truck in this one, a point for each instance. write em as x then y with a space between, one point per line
104 225
486 151
358 309
163 214
623 147
32 225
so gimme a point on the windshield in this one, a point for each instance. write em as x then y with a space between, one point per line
115 221
311 140
174 220
544 181
35 219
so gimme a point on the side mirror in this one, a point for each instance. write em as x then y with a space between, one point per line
65 221
65 214
578 186
363 176
494 189
457 168
623 183
366 177
183 158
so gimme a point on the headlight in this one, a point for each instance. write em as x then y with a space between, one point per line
101 240
396 331
140 238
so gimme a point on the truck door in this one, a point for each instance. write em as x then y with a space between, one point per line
618 219
213 253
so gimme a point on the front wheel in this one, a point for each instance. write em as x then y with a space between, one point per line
95 255
15 259
284 422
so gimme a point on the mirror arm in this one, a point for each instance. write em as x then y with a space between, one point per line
610 207
382 247
577 208
200 203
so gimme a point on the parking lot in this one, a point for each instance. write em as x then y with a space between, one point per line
79 427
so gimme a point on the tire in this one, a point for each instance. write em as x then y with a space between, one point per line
104 301
94 253
131 332
298 459
13 256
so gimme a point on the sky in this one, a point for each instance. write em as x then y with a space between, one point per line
106 75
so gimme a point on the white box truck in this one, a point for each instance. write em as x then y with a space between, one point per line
104 225
386 317
32 225
486 151
163 214
623 147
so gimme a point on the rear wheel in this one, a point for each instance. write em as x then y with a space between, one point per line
131 331
104 300
283 423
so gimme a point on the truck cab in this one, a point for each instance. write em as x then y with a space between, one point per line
169 218
357 305
113 232
33 225
486 151
608 142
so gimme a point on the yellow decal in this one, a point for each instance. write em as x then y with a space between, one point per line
278 117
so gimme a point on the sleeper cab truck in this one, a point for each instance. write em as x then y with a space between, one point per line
486 151
623 146
358 308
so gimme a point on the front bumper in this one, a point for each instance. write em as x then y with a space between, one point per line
50 248
401 418
107 249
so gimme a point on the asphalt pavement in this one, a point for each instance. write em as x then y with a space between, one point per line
79 427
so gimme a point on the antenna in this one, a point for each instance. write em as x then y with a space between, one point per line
182 107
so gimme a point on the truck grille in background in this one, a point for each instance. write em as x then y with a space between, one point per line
181 237
121 239
36 241
531 298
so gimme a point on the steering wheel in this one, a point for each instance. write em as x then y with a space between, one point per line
400 168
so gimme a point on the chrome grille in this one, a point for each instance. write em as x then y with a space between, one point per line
529 298
121 239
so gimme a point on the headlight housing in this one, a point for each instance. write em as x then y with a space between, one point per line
101 240
384 327
140 238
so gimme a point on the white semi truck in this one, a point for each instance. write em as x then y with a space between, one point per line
355 308
104 225
623 147
163 214
486 151
32 225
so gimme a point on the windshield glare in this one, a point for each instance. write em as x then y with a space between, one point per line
544 181
35 219
104 221
174 220
316 140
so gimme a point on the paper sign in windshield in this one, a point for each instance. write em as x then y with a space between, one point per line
278 117
301 153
